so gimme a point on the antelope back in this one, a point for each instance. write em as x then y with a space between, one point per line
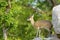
43 24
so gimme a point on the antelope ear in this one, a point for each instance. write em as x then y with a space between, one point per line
28 19
33 15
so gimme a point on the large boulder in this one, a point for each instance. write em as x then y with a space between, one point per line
56 19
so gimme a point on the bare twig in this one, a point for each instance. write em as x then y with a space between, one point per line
38 10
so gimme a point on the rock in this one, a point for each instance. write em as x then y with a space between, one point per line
37 38
56 19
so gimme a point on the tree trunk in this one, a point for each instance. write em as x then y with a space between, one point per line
52 2
5 29
4 33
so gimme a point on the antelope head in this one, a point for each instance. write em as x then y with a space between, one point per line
30 18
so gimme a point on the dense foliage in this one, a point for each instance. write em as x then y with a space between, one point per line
16 19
